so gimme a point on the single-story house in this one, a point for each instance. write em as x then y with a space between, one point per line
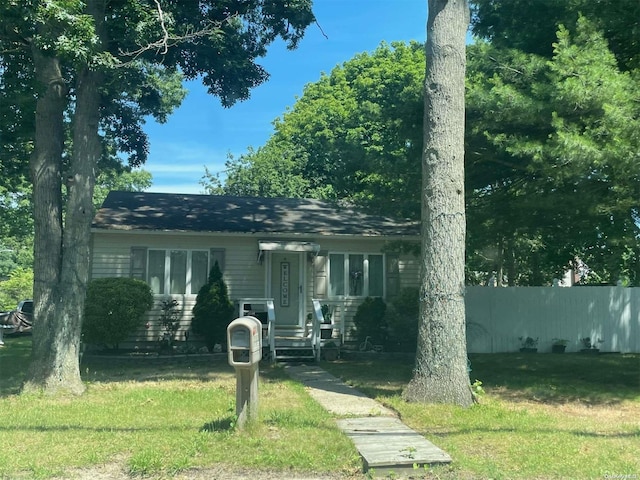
276 255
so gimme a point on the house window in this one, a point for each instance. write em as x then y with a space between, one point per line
356 275
177 271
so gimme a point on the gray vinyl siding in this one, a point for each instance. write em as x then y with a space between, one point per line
243 273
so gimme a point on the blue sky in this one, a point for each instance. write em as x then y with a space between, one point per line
201 132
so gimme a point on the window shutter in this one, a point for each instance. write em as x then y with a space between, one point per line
217 255
138 259
393 275
320 274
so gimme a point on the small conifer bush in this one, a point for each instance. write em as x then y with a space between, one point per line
213 311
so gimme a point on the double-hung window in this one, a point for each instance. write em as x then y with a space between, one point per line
174 271
356 275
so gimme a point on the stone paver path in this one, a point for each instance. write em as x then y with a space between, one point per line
386 445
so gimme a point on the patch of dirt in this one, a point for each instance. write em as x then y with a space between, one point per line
116 471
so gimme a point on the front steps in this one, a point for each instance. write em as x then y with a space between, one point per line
294 349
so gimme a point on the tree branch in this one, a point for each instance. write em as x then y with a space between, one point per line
169 40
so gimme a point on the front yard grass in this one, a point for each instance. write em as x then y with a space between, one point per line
543 417
159 418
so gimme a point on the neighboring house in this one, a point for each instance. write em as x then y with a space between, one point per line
290 251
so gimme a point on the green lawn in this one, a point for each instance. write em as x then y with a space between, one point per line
543 416
160 418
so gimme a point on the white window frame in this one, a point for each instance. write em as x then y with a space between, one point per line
365 286
167 268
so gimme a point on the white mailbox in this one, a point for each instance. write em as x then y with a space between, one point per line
244 340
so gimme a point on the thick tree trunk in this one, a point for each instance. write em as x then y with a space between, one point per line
440 374
61 267
52 364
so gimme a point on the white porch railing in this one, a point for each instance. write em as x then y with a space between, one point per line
336 309
258 307
264 310
337 313
271 330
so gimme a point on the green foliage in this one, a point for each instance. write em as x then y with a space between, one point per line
531 26
114 309
122 179
355 134
402 319
370 321
213 311
169 321
16 225
267 172
564 148
18 287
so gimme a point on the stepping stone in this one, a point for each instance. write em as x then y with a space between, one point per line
387 446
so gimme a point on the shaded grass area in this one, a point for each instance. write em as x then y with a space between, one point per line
591 379
543 416
161 418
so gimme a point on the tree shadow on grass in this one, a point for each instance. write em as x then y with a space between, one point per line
177 367
226 424
528 432
545 378
559 379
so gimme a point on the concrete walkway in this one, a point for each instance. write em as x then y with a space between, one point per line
386 445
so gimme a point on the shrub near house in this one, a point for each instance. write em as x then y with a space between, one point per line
114 308
213 311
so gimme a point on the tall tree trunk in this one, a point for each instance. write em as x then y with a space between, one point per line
440 374
51 368
61 267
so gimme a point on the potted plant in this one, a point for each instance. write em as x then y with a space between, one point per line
326 328
330 351
528 344
588 347
559 345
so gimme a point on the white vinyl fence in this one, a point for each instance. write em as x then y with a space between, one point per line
497 317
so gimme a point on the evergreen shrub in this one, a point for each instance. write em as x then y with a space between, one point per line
370 321
403 314
114 309
213 311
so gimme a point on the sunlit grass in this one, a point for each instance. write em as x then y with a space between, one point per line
163 418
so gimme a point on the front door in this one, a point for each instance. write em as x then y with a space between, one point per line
287 287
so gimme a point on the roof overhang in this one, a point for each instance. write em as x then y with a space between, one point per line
286 246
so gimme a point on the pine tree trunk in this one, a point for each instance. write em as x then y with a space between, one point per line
440 374
61 266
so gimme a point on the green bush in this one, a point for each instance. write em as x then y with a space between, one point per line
213 311
370 321
402 318
114 309
18 287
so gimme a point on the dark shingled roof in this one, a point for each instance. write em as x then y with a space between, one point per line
213 213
